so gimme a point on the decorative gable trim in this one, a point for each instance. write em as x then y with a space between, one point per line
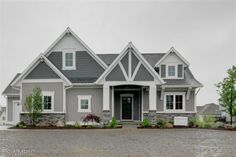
68 30
172 49
129 77
39 59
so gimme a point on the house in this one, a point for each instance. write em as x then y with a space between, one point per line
129 86
2 115
210 109
225 114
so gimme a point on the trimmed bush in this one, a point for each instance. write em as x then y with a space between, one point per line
161 123
147 122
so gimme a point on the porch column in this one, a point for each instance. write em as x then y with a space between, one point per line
152 103
106 113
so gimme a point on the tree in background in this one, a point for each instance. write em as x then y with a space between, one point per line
227 92
33 105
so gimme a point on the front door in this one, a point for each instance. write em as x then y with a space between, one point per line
17 110
126 107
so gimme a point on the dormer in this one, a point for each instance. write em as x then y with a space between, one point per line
171 65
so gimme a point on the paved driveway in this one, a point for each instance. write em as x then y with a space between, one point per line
118 143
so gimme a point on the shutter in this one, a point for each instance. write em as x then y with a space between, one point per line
163 70
180 70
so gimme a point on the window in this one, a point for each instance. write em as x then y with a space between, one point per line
171 71
174 101
84 103
47 101
68 60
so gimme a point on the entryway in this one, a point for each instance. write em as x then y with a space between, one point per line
126 106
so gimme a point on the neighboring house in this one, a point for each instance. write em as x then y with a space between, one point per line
224 113
129 86
210 109
2 115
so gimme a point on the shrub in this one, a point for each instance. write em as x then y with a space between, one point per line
161 123
171 122
21 124
207 121
192 122
113 123
91 118
146 122
169 125
77 125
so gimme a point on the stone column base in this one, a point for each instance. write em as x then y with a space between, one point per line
153 116
106 116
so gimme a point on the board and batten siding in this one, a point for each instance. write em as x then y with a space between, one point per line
72 105
56 87
10 107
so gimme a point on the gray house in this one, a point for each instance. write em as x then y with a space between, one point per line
129 86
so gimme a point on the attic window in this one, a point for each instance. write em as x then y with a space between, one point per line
68 60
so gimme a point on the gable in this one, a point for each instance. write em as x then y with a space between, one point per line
172 58
116 75
143 75
86 67
42 71
127 65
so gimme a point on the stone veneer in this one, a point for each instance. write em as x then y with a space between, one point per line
106 116
45 118
168 116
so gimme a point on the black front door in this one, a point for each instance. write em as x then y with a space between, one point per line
126 102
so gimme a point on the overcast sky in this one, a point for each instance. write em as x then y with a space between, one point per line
204 32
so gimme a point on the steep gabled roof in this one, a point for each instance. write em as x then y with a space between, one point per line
9 90
68 30
138 55
172 49
34 64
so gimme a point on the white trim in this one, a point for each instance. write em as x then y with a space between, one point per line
141 83
41 80
171 112
34 64
87 97
112 101
64 67
68 30
142 105
157 78
179 86
126 95
172 49
130 63
127 89
135 71
47 112
174 102
64 98
123 71
48 93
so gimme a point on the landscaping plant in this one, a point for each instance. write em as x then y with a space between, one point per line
113 123
161 123
192 122
33 105
227 92
207 121
147 122
91 118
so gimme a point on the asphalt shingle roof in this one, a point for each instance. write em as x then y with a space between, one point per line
10 89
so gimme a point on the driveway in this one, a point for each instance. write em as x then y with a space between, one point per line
126 142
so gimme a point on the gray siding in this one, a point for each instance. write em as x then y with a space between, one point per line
27 89
145 100
163 70
10 107
116 75
143 75
42 71
134 62
72 113
125 62
87 69
180 70
189 104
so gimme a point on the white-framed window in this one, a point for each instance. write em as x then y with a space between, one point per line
47 101
171 71
68 60
174 101
84 103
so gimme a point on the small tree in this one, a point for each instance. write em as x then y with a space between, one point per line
33 105
227 92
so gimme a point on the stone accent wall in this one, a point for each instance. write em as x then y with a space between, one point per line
47 119
153 116
170 116
106 116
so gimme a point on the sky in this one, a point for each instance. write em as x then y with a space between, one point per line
203 31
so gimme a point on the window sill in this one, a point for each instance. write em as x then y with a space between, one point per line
68 68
